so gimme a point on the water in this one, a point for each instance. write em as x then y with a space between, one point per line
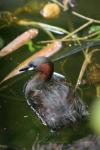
19 126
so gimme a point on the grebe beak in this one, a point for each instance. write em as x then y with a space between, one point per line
27 68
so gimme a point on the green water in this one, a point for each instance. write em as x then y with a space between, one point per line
19 126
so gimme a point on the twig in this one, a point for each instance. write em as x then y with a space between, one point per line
84 66
56 1
78 29
72 39
90 21
89 36
84 17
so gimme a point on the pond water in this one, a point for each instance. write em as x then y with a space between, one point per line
19 126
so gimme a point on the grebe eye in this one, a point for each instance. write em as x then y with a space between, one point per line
31 65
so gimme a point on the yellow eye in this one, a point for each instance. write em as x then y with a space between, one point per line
50 11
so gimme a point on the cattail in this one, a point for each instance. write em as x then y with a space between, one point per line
18 42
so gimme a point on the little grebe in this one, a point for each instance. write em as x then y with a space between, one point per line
52 98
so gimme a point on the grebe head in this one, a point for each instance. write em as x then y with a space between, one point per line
43 65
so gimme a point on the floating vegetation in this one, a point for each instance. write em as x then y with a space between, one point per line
7 18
